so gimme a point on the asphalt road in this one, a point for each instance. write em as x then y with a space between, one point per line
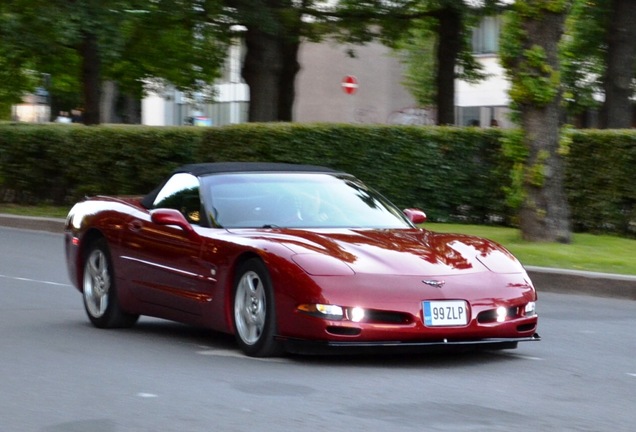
58 374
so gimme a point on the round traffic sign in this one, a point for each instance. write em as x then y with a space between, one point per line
349 84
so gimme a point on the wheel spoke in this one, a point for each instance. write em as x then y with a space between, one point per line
96 283
249 308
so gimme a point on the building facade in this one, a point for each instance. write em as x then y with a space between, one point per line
346 84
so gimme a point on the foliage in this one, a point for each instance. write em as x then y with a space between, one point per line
529 53
600 180
534 81
134 40
417 51
442 170
15 71
447 171
170 40
583 54
514 150
432 37
454 174
83 161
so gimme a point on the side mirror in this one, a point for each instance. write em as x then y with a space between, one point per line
166 216
416 216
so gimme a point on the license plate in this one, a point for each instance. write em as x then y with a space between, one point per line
445 313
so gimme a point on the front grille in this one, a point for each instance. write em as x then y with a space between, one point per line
526 327
387 317
344 331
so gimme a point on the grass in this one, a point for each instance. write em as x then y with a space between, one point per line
40 210
598 253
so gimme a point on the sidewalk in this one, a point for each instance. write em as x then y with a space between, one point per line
544 279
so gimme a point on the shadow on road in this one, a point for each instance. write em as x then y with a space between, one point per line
176 334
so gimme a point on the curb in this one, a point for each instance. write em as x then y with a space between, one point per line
583 283
544 279
54 225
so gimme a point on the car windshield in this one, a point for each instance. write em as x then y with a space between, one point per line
297 200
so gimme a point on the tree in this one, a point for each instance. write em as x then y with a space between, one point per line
86 42
17 74
529 52
582 57
617 111
417 50
599 60
274 30
422 28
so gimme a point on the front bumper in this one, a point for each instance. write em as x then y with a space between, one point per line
301 346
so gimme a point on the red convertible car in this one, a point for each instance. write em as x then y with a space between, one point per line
293 258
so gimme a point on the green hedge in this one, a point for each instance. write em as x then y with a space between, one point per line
454 174
60 164
601 181
449 172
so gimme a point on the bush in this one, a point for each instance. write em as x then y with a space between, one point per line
454 174
601 181
60 164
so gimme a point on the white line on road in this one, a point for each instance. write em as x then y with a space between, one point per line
632 374
237 354
33 280
513 354
527 357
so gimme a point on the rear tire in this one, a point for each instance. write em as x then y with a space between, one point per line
254 310
100 292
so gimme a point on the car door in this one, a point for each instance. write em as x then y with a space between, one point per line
164 261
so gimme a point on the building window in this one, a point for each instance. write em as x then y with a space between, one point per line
485 38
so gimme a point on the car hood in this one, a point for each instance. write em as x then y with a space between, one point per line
402 252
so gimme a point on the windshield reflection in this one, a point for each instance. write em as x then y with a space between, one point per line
298 200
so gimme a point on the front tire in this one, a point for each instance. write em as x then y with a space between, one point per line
100 292
254 310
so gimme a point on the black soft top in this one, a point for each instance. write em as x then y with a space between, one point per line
203 169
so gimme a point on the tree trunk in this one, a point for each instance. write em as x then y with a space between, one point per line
262 73
131 111
449 33
287 84
91 70
544 215
617 111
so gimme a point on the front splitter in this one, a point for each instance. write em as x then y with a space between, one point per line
301 346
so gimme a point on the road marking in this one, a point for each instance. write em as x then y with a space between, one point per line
528 357
33 280
632 374
147 395
237 354
504 353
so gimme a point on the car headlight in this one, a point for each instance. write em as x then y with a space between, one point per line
325 311
531 309
334 312
330 310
